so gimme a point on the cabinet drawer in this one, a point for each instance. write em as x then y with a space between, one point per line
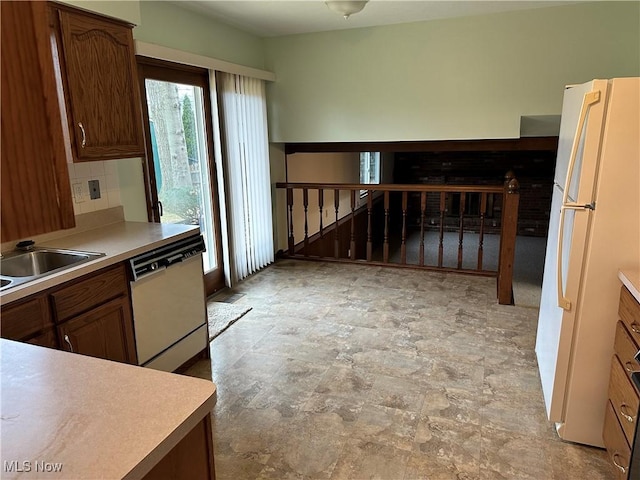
89 292
626 350
624 399
629 311
617 447
24 319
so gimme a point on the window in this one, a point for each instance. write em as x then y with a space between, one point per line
369 169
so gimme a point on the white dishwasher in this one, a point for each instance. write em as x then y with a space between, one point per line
169 306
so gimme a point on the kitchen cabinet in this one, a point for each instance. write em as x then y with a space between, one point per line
624 398
99 78
94 316
29 321
36 194
102 332
191 458
91 316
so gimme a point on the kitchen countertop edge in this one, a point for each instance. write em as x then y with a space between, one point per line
63 409
119 242
630 278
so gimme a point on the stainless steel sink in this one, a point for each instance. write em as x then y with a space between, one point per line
20 267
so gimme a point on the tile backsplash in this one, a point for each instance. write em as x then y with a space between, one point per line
106 173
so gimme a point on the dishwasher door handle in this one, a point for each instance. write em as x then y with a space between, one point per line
173 259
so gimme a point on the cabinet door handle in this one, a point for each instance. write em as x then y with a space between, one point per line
618 466
68 340
627 417
635 327
628 366
84 135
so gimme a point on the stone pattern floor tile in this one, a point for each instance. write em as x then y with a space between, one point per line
356 372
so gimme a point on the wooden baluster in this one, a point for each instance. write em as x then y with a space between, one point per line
320 206
385 247
352 246
369 232
403 248
423 208
290 220
305 204
443 203
336 243
461 227
483 212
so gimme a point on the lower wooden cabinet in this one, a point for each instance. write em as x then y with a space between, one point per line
617 446
623 404
103 332
191 458
48 338
91 315
29 320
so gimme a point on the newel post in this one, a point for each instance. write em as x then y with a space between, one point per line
508 231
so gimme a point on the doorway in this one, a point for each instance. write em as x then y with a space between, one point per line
180 175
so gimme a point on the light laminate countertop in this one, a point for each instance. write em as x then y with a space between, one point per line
630 277
118 241
91 418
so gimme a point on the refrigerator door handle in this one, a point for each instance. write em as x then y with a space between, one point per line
577 206
588 100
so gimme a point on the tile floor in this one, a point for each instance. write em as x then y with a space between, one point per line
352 372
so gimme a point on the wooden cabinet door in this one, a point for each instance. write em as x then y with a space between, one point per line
29 320
191 458
36 195
103 97
104 332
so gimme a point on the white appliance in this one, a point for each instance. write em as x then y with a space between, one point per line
594 230
169 309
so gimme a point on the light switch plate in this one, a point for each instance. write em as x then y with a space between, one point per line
94 189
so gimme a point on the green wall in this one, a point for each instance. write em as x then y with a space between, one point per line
167 24
459 78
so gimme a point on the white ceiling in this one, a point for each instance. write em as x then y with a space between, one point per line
270 18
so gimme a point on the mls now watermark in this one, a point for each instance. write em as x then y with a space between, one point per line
29 466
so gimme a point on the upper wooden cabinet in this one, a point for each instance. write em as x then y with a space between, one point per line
36 195
99 78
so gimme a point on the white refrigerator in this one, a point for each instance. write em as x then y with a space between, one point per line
594 230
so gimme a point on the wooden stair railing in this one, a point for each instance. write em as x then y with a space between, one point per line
370 231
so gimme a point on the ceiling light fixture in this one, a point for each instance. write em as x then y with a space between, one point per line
346 8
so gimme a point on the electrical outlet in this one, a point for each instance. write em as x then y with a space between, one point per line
94 189
78 193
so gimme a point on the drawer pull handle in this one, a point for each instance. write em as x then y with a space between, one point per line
629 367
68 340
618 466
635 327
627 417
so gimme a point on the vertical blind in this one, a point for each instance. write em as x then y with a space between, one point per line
246 164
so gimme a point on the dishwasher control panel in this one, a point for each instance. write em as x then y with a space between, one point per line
165 256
